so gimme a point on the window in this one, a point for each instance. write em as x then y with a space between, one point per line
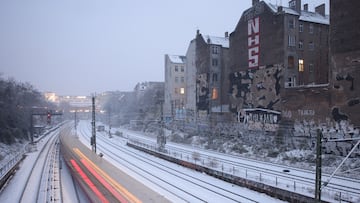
176 79
301 65
291 82
291 62
182 79
215 49
311 68
301 27
311 46
182 90
214 62
214 93
291 23
176 91
291 41
182 68
215 77
292 4
176 69
301 44
311 28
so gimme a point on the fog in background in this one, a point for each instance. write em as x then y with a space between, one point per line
78 47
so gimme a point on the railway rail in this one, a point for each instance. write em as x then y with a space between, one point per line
43 182
289 178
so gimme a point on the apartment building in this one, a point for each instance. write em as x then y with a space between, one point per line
297 38
175 87
274 52
345 60
211 61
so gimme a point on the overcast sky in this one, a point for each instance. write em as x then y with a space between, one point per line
80 47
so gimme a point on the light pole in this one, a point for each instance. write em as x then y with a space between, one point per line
161 138
318 167
93 137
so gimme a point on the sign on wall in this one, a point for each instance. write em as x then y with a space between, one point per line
253 42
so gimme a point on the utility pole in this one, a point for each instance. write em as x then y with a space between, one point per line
161 138
75 124
93 137
318 167
110 122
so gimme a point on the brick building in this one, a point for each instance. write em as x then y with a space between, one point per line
345 60
211 59
275 53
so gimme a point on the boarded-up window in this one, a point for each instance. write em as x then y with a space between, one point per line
291 62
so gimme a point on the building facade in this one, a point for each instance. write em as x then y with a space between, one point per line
211 61
175 87
191 81
345 60
274 52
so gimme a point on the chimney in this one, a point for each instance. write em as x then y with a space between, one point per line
279 9
226 34
197 32
320 9
295 5
306 7
255 2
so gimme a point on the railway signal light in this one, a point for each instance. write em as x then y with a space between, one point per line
48 118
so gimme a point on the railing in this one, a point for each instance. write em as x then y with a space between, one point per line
10 164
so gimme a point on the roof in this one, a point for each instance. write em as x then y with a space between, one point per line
305 15
223 41
176 59
314 17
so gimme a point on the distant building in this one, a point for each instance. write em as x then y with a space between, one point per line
190 92
175 87
51 96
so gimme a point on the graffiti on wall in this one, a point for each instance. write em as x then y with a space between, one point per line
306 112
202 92
345 83
347 78
255 88
337 115
253 42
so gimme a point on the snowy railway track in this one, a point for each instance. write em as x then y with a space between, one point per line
43 182
291 175
300 179
172 178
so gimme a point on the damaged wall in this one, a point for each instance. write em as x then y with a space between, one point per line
345 60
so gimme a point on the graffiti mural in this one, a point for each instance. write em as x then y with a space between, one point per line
347 78
255 88
202 92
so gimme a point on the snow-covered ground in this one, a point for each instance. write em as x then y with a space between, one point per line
12 192
295 180
104 143
108 145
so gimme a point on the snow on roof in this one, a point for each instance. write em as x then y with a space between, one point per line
223 41
176 58
314 17
305 15
263 110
